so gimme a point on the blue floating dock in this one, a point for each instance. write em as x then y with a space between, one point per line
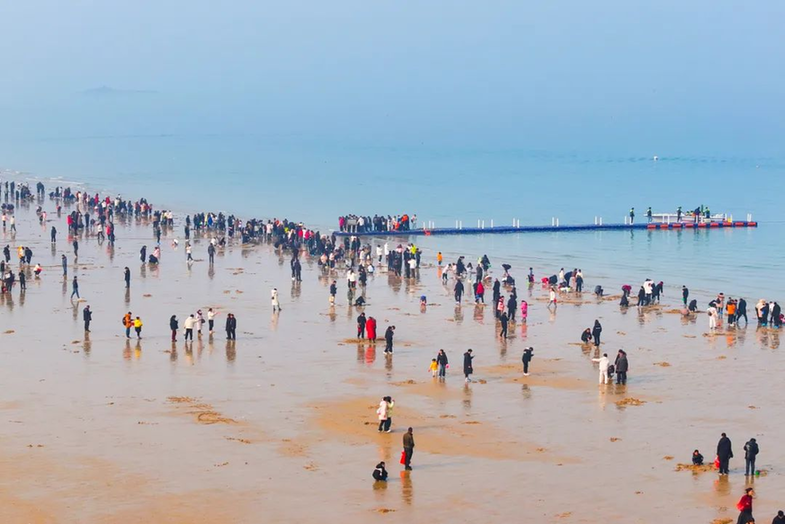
554 228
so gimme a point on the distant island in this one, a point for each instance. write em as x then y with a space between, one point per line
111 91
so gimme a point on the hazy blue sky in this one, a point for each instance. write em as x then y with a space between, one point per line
694 77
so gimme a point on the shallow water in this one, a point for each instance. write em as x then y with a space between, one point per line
282 423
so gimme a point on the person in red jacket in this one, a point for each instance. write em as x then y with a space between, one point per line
370 329
745 507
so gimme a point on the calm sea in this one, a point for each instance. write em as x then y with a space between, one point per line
315 181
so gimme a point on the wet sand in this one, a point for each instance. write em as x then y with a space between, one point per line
281 427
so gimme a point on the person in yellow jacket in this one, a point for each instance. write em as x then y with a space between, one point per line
138 327
433 368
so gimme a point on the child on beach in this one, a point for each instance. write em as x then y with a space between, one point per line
138 327
433 368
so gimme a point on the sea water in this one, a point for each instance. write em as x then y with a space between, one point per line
316 180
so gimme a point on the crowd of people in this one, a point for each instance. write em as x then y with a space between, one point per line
377 223
96 215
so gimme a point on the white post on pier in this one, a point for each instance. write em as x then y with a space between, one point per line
491 223
553 221
483 224
460 224
478 223
600 220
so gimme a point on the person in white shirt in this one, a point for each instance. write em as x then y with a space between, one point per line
274 300
604 364
552 298
711 311
210 320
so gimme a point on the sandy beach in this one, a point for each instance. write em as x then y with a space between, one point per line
280 426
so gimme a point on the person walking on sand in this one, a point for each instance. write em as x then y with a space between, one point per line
64 262
53 234
127 277
76 248
383 412
468 369
458 291
388 338
75 288
22 281
231 327
751 451
741 311
724 453
442 362
504 320
361 326
604 363
174 325
685 294
143 254
274 300
190 323
87 315
744 505
333 292
524 311
596 332
527 358
779 519
199 323
552 298
408 449
622 366
138 327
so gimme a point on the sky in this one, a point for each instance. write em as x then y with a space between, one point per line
699 77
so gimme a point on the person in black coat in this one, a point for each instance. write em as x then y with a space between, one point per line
503 319
231 327
361 326
388 338
586 336
458 291
467 365
512 307
596 332
725 453
174 325
527 358
380 473
87 315
621 366
751 451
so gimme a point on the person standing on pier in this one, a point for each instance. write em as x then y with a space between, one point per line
632 215
648 215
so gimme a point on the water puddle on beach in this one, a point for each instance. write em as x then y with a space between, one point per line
282 423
